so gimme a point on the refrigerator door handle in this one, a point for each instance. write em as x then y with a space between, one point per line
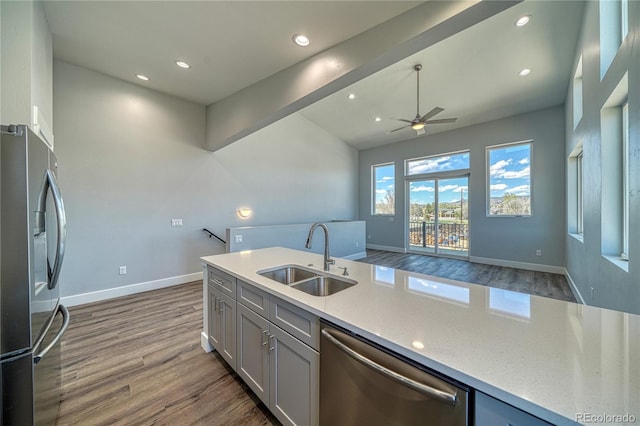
65 323
40 226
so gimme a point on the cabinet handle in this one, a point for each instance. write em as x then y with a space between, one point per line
215 304
221 307
264 339
217 281
272 339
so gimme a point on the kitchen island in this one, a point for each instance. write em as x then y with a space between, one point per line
561 362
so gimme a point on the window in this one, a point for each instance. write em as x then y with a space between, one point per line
614 24
383 199
577 94
625 182
624 18
435 164
614 151
579 194
509 179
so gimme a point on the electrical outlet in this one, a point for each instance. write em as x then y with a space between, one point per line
357 244
123 270
176 222
538 252
238 238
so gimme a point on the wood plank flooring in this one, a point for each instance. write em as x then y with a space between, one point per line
532 282
137 360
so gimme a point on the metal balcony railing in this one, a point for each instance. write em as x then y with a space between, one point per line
452 236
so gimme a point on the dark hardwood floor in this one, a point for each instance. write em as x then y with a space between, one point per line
532 282
137 360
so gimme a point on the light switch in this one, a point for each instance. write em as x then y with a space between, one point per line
176 222
238 238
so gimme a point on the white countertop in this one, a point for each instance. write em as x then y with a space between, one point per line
550 358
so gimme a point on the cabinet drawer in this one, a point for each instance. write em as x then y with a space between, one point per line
492 412
299 323
253 298
225 282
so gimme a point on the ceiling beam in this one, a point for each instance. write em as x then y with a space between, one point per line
327 72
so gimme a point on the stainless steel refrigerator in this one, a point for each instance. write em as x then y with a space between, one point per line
32 320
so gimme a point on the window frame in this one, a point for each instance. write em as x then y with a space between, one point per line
624 254
440 172
373 188
580 193
488 150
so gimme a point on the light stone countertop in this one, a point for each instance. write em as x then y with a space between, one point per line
547 357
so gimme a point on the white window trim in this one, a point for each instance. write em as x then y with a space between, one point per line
487 149
625 181
373 188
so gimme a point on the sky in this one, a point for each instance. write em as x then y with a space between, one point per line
509 170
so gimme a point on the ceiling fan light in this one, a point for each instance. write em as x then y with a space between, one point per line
417 126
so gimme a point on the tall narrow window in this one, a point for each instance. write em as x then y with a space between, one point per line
383 189
624 18
625 182
509 179
577 94
579 194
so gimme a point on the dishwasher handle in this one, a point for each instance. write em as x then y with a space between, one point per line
449 398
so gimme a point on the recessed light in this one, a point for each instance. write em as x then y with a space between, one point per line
301 40
142 77
377 119
523 20
524 72
417 344
351 96
183 64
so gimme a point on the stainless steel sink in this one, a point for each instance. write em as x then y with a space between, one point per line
323 285
310 281
288 274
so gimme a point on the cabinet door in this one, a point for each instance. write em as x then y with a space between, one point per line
213 332
227 312
252 353
294 375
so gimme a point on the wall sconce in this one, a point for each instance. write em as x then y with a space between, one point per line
244 212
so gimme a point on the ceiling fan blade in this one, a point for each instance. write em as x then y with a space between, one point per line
442 121
402 119
433 112
399 128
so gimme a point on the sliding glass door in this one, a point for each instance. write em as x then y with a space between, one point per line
438 215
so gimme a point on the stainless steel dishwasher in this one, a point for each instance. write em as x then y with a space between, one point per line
364 384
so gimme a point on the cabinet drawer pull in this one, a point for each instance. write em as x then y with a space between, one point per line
215 304
264 339
217 281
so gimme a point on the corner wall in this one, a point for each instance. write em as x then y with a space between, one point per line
600 281
511 239
132 159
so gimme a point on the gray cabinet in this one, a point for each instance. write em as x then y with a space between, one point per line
222 324
492 412
279 368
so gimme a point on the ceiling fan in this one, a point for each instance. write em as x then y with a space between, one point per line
418 123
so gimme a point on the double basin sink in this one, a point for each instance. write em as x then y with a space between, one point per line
307 280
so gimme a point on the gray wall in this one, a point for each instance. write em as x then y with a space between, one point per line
504 238
346 238
613 287
131 159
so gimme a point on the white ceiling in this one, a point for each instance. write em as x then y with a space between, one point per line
229 44
473 75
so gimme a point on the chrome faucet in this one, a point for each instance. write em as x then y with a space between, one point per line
327 259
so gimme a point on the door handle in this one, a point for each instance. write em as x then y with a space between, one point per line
221 307
50 182
65 323
264 339
215 304
272 340
424 389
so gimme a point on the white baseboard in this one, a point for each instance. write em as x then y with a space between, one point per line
204 342
574 288
356 256
386 248
110 293
520 265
